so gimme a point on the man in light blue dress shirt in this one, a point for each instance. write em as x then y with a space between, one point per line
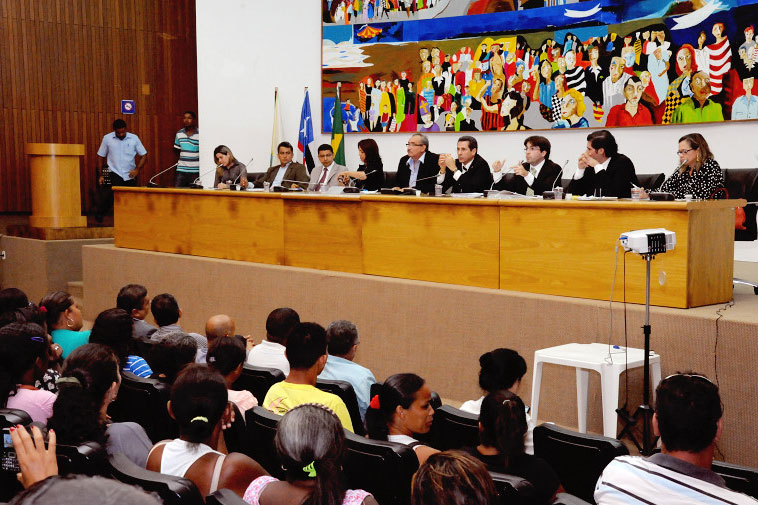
124 153
343 343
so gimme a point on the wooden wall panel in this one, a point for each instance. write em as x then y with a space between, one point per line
66 65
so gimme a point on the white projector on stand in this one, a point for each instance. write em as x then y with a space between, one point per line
649 241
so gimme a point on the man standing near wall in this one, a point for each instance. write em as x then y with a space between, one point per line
187 146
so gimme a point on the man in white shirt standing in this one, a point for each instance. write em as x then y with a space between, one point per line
270 352
325 176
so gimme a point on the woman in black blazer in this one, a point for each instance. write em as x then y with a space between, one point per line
370 173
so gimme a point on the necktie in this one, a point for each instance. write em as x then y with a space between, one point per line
322 180
530 191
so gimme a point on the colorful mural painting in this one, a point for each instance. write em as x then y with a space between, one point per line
486 65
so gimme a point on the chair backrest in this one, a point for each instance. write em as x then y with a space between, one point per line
13 417
514 490
577 458
743 183
390 179
261 430
257 380
742 479
172 490
382 468
224 497
144 401
235 437
345 391
453 428
651 181
87 458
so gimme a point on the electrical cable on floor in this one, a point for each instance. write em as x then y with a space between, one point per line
720 314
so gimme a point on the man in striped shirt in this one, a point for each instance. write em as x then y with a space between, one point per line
688 419
187 145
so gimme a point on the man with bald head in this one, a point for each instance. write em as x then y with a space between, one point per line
222 325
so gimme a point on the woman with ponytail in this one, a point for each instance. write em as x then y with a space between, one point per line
502 429
64 321
198 401
24 353
400 410
88 384
310 442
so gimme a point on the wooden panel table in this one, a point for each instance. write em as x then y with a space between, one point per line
567 248
448 240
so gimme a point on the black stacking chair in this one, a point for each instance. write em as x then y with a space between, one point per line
261 429
577 458
453 428
258 380
144 401
382 468
13 417
742 479
172 490
650 181
514 490
345 391
224 497
9 485
235 437
87 458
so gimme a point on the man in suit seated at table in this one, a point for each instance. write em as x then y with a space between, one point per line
325 176
419 168
286 171
469 173
533 176
603 171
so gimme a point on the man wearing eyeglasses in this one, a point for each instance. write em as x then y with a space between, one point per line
602 170
418 169
532 176
688 418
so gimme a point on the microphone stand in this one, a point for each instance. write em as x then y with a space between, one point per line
152 184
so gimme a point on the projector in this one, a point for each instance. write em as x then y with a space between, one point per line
650 241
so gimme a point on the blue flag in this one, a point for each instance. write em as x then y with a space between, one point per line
305 135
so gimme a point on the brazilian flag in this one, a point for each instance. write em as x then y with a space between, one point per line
338 140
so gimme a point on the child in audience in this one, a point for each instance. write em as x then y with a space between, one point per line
453 478
502 428
113 327
88 384
64 321
24 352
501 369
198 401
227 355
401 410
171 354
310 442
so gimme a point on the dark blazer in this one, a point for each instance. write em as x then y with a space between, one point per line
543 182
373 181
616 180
295 172
429 168
475 180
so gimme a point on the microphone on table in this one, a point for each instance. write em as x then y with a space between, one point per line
282 189
350 188
501 178
152 184
196 184
560 173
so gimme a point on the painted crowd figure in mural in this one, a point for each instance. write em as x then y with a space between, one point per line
686 62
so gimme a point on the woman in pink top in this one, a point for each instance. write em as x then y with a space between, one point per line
310 443
24 350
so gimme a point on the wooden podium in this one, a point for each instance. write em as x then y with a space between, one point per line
56 198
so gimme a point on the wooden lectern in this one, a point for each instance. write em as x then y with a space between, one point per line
56 198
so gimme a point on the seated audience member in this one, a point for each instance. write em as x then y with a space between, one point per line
688 418
326 175
603 171
270 352
227 355
80 489
699 174
172 353
502 369
468 173
370 173
401 410
502 428
10 300
222 325
24 351
342 338
64 321
286 171
418 169
113 327
166 313
198 401
134 300
310 443
306 353
538 173
453 478
88 384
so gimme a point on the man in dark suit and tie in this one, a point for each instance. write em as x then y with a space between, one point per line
419 168
603 171
469 173
287 170
533 176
